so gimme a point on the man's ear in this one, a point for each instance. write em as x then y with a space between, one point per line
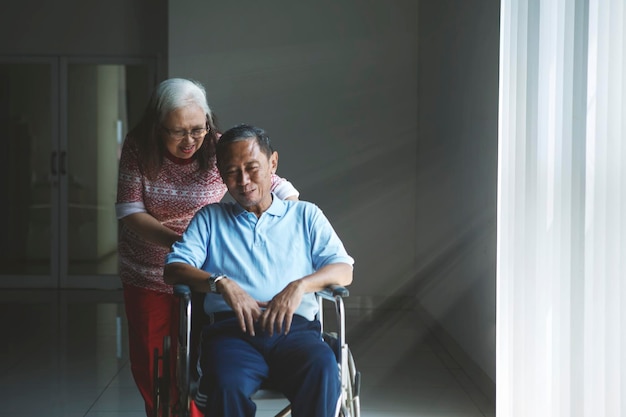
274 162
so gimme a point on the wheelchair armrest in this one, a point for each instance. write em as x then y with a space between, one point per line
182 290
333 291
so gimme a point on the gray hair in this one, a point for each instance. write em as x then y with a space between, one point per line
168 96
175 93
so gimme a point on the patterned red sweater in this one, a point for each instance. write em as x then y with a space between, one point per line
179 190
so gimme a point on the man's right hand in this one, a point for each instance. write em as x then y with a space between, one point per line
247 309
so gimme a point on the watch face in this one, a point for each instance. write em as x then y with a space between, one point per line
213 284
213 279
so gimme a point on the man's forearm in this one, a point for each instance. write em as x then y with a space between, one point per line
182 273
332 274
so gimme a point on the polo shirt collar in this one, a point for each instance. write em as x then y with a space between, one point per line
277 208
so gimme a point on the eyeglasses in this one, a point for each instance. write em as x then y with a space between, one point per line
179 135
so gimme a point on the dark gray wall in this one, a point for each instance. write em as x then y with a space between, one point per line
457 171
136 28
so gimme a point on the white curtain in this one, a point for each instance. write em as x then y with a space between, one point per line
561 266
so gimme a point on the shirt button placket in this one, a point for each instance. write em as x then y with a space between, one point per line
258 229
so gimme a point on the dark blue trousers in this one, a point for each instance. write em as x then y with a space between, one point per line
234 365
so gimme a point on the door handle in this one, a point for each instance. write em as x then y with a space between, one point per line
53 163
63 160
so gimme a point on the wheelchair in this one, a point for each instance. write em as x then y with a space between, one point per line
189 329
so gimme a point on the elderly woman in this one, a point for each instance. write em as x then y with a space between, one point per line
167 172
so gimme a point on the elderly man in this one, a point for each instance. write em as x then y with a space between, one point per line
260 260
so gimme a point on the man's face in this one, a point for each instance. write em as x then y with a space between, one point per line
247 172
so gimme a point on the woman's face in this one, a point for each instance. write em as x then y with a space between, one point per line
184 130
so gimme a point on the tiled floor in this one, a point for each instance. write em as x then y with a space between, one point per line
64 353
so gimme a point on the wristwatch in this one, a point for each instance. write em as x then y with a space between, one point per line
213 279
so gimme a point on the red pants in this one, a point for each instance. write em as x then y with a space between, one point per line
151 315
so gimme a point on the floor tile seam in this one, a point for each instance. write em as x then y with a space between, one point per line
24 356
106 387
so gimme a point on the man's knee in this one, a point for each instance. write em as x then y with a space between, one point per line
329 372
318 371
324 359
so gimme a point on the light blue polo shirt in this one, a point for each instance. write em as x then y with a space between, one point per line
290 240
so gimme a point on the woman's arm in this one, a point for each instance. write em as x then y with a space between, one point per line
284 189
129 207
150 229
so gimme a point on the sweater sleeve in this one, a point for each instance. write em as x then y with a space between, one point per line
283 188
129 182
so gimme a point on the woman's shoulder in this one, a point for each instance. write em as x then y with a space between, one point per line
130 145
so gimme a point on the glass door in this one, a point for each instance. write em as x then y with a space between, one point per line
64 123
103 100
29 172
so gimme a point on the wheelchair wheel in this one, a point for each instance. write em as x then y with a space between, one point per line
162 380
351 403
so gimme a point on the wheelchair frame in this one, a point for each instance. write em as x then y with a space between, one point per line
350 378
